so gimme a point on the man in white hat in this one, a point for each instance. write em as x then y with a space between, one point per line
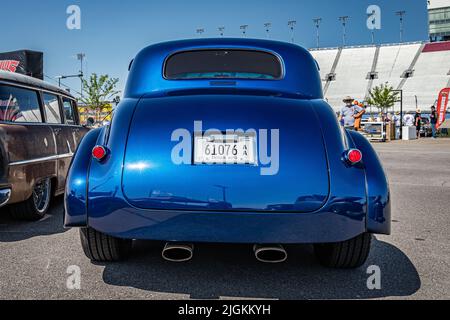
349 112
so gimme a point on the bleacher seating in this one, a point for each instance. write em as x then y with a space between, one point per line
393 61
428 65
354 63
431 74
325 58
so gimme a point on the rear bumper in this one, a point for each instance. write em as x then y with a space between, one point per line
229 227
5 195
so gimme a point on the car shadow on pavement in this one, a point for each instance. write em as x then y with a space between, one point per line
12 230
232 271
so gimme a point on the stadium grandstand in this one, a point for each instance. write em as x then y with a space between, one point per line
419 69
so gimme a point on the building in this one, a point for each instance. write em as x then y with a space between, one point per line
105 114
439 20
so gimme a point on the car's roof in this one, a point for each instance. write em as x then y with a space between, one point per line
244 42
300 71
31 82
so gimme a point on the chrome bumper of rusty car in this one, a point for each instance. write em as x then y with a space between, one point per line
5 194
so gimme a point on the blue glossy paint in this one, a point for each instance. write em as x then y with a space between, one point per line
300 70
378 194
315 197
301 184
77 181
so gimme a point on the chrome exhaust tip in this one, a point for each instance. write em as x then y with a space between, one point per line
178 252
270 253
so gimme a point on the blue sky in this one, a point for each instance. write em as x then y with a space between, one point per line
113 31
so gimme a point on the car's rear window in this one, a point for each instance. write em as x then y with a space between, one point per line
223 64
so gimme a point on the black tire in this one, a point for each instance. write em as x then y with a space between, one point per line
348 254
37 205
103 248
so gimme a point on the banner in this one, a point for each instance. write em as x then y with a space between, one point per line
29 63
442 106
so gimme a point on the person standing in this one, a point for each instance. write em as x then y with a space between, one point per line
398 124
358 116
349 112
396 118
433 122
418 122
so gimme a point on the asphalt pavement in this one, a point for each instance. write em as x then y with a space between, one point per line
37 259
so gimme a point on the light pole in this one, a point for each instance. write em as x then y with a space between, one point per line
80 57
401 14
267 25
317 22
291 25
244 29
66 77
221 31
80 75
200 31
344 20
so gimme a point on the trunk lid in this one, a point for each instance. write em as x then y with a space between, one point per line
151 179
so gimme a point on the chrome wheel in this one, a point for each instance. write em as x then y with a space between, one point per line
41 195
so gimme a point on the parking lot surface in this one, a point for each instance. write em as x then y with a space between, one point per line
414 261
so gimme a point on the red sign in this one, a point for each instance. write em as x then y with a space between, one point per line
442 106
9 65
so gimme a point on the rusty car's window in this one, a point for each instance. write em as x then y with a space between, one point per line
51 106
69 113
223 64
19 105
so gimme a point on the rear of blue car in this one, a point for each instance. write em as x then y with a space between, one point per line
227 152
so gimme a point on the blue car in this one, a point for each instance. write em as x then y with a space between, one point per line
227 141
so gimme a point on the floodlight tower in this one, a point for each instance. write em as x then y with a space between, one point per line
401 14
80 57
317 22
344 20
200 31
221 31
267 26
291 25
244 29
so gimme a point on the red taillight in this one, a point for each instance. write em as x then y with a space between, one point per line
99 152
354 156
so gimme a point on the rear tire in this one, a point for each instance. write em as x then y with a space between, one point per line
103 248
37 205
348 254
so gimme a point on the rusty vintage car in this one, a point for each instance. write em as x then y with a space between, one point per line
39 133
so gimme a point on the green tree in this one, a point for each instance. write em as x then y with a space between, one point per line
383 97
99 90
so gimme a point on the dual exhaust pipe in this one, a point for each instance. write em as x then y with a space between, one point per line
178 252
182 252
270 254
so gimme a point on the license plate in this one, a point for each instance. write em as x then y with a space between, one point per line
225 149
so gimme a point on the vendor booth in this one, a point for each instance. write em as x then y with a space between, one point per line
378 130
